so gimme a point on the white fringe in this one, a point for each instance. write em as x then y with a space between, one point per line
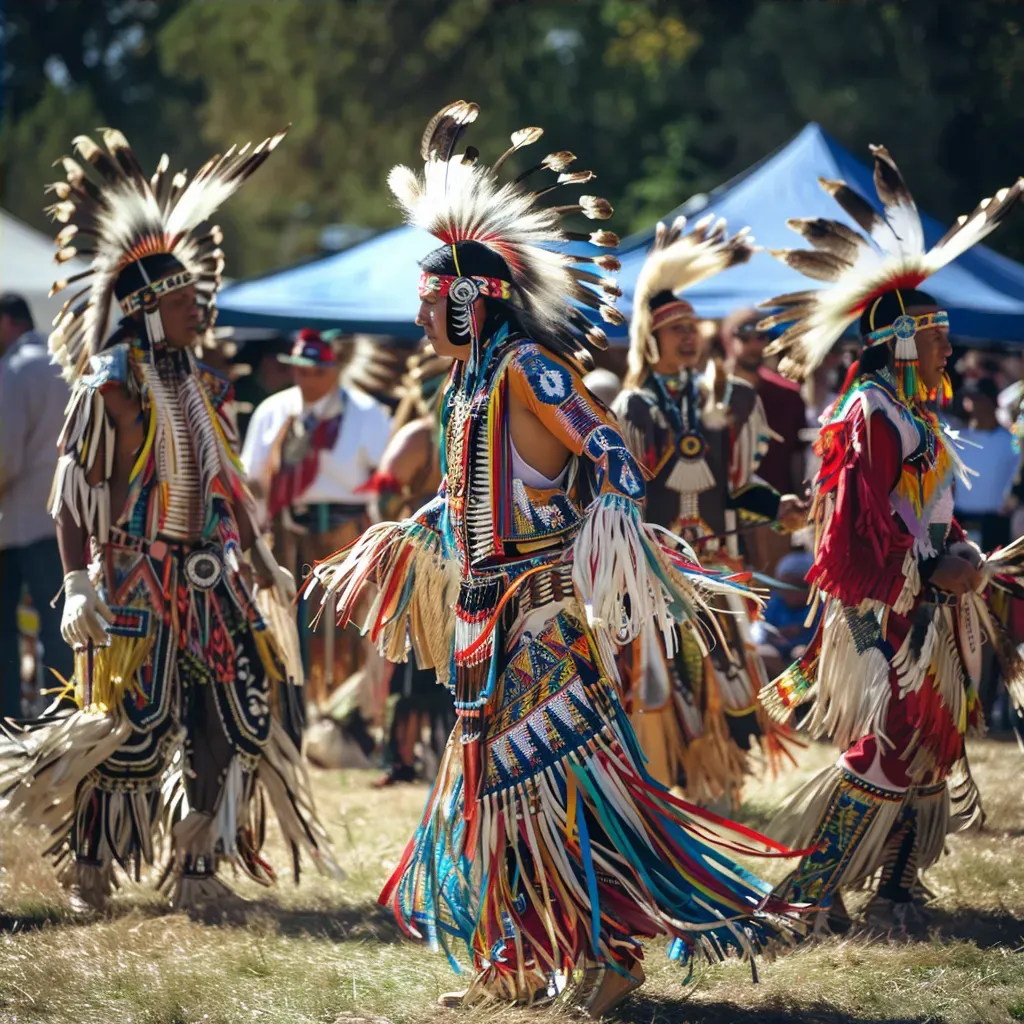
691 476
911 584
88 504
853 689
612 562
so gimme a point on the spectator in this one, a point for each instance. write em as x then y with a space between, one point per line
780 634
32 401
268 376
783 464
982 509
309 452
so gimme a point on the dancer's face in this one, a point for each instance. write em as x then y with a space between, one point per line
679 346
933 349
181 317
433 318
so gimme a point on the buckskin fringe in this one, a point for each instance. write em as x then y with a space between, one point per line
627 579
415 592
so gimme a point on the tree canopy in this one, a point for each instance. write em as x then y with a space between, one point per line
662 99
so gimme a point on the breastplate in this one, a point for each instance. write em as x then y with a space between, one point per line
185 515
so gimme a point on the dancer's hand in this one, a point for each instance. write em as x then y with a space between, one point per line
792 514
86 617
955 575
284 584
270 574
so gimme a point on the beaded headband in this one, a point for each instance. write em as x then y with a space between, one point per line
147 297
438 286
671 312
904 327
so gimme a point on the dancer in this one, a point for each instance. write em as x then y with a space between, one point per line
544 847
893 668
185 721
409 475
700 438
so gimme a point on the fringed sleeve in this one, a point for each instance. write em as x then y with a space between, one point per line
861 552
86 446
396 585
628 573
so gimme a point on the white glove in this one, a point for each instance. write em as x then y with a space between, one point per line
284 584
86 616
284 581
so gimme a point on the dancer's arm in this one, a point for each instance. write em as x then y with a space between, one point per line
862 552
555 394
80 504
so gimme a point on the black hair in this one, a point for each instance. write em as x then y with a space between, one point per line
15 306
475 260
157 266
884 310
662 299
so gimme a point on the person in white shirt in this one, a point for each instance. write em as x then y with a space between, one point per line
309 452
982 509
32 400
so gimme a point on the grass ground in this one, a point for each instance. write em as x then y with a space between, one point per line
327 953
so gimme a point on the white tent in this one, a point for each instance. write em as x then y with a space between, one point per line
27 267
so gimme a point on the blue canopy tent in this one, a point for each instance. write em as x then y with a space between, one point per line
983 291
371 288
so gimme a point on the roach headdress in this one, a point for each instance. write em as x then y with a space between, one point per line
500 241
886 255
142 236
678 261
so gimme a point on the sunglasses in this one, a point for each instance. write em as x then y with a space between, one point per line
748 331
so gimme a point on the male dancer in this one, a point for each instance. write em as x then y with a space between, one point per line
700 437
896 660
184 719
545 846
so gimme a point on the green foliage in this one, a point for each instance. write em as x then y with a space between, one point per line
662 98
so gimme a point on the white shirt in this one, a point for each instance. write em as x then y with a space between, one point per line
364 433
33 397
995 462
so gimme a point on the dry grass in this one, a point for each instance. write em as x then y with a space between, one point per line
327 953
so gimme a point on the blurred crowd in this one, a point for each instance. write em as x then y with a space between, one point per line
325 404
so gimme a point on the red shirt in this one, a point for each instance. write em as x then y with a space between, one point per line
787 416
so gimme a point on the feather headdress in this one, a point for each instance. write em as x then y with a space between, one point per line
886 254
136 231
678 261
460 200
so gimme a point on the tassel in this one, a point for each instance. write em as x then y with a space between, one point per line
155 327
908 381
945 391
